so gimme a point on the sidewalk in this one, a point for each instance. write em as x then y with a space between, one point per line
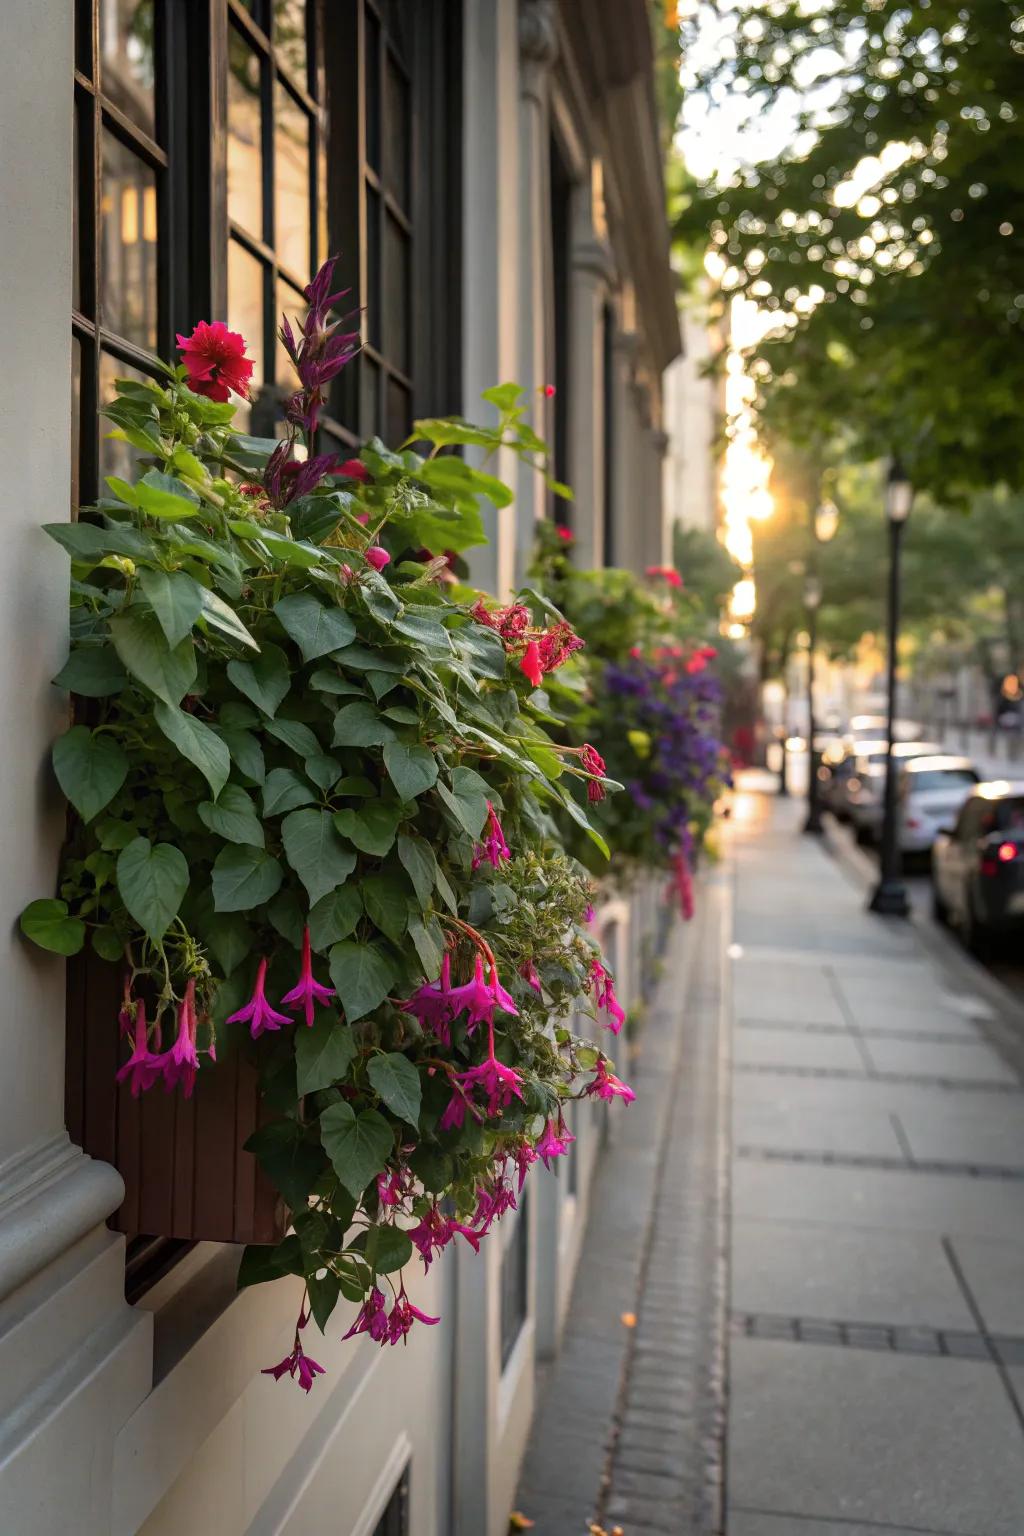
875 1240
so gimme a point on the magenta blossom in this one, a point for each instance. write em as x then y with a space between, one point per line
589 914
403 1315
181 1063
307 991
476 998
142 1067
297 1364
604 996
372 1318
433 1003
377 557
553 1143
524 1156
492 1201
257 1012
605 1085
434 1232
393 1186
454 1117
500 1083
528 971
494 847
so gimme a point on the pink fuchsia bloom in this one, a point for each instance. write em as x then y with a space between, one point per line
297 1365
682 883
492 1202
181 1063
501 1084
476 998
257 1012
524 1157
354 469
403 1315
604 996
592 762
530 665
605 1085
307 991
432 1003
454 1116
372 1318
589 914
502 999
377 557
696 663
528 971
142 1068
434 1232
392 1186
494 848
215 361
666 573
553 1143
549 391
565 534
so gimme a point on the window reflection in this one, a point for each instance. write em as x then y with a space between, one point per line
245 315
290 303
245 179
116 458
76 417
291 182
290 37
396 295
126 55
396 132
128 216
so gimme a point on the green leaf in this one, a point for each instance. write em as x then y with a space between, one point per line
264 680
220 615
87 543
388 1248
466 799
361 659
420 865
505 397
288 916
196 741
363 975
243 878
230 938
323 1054
292 1161
357 1145
388 903
323 770
48 924
175 597
142 648
233 816
579 816
316 852
324 1288
269 1261
432 1168
93 672
316 630
152 879
360 725
462 480
285 790
412 770
294 735
107 943
164 496
334 916
397 1081
329 682
90 769
246 753
372 827
428 942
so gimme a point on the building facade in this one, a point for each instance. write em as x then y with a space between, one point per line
490 173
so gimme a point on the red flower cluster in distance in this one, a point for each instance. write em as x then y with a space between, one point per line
666 573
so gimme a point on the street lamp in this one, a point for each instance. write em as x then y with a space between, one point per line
823 527
890 896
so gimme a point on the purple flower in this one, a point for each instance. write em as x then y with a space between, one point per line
307 991
403 1315
434 1232
142 1067
372 1318
476 998
501 1084
604 996
494 847
181 1063
257 1012
553 1143
492 1201
298 1363
432 1003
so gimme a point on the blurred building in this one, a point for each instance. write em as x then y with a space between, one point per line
693 417
490 172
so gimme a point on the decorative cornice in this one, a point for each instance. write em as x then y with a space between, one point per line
51 1195
538 33
594 256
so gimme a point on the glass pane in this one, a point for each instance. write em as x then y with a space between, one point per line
76 249
115 458
76 417
128 216
399 414
245 313
396 294
372 90
290 38
396 132
245 156
371 298
291 182
126 58
290 303
369 414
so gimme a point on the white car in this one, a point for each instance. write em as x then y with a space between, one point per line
865 788
932 791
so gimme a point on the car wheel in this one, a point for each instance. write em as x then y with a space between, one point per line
940 912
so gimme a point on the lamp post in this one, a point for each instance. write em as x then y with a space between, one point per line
823 527
890 897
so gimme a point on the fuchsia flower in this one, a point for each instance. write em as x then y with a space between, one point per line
565 534
666 573
392 1188
528 971
377 557
530 665
494 848
480 998
257 1012
454 1117
605 1085
403 1315
434 1232
589 914
181 1063
297 1363
549 391
307 991
432 1003
492 1202
354 469
215 360
372 1318
142 1067
501 1084
524 1157
604 996
592 762
554 1143
557 644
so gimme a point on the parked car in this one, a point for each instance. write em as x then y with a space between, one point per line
865 787
931 792
871 727
978 865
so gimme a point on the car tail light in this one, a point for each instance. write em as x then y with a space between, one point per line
1006 852
913 823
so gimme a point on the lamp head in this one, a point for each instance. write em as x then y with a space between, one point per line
826 521
812 593
899 493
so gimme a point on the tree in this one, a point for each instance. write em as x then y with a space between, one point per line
708 570
900 288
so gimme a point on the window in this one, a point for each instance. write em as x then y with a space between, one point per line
561 256
395 1519
610 553
515 1260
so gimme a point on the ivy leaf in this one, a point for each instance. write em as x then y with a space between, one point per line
316 852
316 630
93 672
372 827
107 943
165 496
285 790
244 877
288 916
292 1161
233 817
230 938
329 682
360 725
142 648
323 1054
466 799
412 770
323 1288
196 741
175 597
334 916
294 735
220 615
246 753
397 1081
48 924
357 1145
264 680
363 975
90 769
419 863
323 770
387 901
269 1261
152 879
428 942
388 1248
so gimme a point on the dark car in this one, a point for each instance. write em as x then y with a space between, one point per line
978 865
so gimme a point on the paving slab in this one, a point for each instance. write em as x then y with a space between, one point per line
793 1270
851 1435
963 1061
784 994
889 1019
856 1132
780 1047
756 1523
990 1135
929 1096
994 1271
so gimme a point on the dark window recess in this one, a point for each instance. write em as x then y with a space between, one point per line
609 553
561 299
572 1162
515 1274
395 1519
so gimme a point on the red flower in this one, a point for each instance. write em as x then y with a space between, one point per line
565 534
216 361
592 762
354 469
667 574
530 666
549 391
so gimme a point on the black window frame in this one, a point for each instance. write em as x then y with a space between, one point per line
514 1282
394 1520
